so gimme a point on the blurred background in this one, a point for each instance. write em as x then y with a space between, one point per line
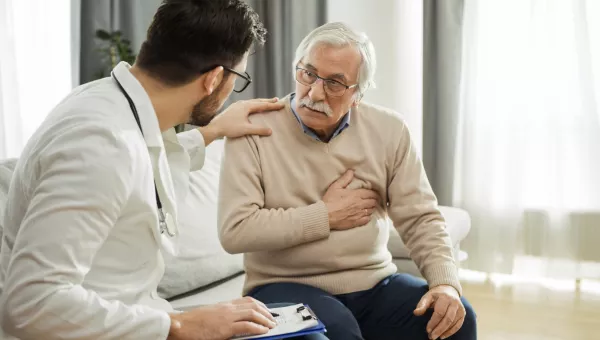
502 98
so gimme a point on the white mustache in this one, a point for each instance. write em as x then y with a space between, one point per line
318 106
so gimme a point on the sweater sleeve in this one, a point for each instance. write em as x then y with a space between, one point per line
245 225
414 212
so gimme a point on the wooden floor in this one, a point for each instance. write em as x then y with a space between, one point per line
516 310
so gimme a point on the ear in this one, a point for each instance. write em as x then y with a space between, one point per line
357 98
210 80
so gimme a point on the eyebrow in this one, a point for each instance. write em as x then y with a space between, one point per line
339 76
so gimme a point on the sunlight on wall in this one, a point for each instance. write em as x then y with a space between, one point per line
39 57
500 280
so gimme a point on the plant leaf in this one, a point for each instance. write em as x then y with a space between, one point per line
102 34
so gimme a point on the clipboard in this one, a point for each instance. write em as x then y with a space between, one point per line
292 321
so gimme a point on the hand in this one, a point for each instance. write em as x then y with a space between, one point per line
234 122
349 208
222 321
448 311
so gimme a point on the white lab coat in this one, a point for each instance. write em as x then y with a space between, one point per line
81 255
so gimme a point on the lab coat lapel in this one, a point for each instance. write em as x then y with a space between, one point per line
165 188
155 144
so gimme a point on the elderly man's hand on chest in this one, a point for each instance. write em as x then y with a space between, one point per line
349 208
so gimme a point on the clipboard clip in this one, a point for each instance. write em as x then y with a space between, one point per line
306 313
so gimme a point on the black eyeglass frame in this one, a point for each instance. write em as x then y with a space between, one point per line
244 76
347 87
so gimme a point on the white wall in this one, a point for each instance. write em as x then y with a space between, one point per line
35 66
396 29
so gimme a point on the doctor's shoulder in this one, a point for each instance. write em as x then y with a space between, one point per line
98 100
97 103
88 115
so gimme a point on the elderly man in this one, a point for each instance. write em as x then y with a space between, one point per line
308 205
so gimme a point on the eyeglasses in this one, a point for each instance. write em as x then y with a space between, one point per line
241 81
332 87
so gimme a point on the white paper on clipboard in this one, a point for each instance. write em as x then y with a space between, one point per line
291 319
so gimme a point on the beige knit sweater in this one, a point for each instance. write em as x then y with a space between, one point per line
270 205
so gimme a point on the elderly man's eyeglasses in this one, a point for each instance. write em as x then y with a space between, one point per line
241 81
332 87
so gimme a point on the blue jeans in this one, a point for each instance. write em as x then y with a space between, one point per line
384 312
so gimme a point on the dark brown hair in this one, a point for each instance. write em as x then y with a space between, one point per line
191 37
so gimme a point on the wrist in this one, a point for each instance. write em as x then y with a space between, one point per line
215 127
210 133
330 214
174 328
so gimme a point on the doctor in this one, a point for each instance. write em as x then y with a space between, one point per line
93 189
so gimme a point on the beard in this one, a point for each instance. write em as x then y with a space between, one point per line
207 108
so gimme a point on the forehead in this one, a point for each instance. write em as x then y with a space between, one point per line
330 60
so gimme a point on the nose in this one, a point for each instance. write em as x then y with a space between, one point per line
317 91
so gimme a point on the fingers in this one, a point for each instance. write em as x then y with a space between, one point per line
245 327
343 181
273 100
362 212
440 309
367 194
363 220
252 129
246 300
446 323
251 303
455 328
368 212
250 299
262 106
252 315
426 302
368 204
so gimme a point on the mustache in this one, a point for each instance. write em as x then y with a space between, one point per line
317 106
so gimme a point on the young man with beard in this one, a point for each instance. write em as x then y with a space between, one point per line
93 190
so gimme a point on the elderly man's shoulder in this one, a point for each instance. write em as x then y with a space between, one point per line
268 118
380 116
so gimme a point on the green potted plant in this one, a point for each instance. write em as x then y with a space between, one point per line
115 48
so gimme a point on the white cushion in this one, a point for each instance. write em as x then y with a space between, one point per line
195 258
227 290
458 224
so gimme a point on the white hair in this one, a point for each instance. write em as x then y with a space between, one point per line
340 34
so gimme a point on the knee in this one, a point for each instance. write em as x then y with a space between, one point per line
469 327
342 325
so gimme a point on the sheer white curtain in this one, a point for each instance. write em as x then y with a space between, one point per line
528 157
36 55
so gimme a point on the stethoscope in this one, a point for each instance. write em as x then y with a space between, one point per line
162 220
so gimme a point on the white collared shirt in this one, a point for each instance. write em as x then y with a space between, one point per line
81 251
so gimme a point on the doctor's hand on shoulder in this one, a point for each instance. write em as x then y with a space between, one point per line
222 321
234 121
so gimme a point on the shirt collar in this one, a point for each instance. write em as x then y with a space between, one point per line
344 122
142 102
